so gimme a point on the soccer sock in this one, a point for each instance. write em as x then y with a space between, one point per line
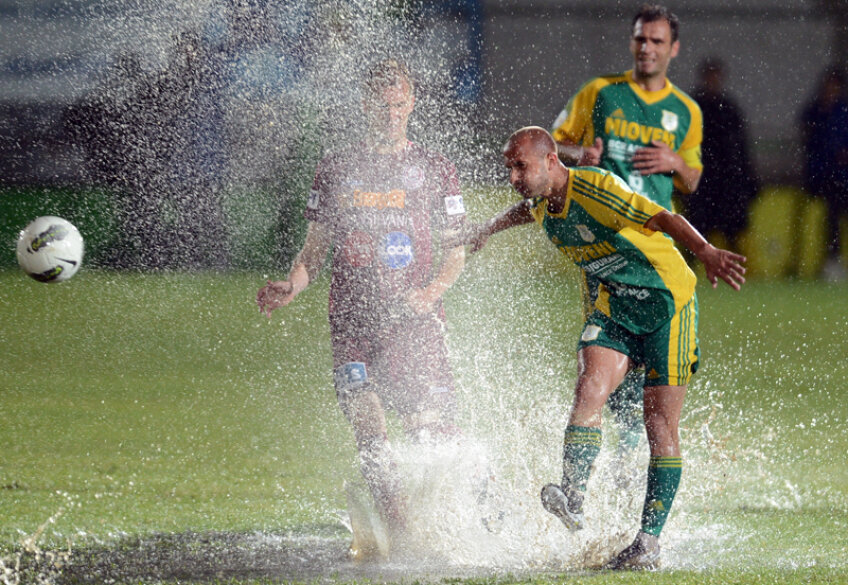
663 479
381 474
626 405
630 432
580 448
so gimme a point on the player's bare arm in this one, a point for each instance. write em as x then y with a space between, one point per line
574 154
422 299
718 263
477 234
659 158
304 270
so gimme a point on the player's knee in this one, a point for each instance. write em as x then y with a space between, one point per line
662 434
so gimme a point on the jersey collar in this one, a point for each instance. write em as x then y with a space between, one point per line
649 97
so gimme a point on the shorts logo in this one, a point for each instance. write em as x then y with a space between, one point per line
396 250
358 249
454 205
350 376
590 333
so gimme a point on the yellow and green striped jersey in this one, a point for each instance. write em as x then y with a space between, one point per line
644 279
627 117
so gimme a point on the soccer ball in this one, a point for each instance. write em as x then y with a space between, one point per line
50 249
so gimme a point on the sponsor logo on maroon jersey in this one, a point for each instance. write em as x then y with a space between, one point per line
395 198
396 250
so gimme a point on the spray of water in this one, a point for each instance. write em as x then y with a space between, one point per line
278 86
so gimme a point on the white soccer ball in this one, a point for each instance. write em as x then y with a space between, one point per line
50 249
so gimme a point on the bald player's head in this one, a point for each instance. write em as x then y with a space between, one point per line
534 169
534 139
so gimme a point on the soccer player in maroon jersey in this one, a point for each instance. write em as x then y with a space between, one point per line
383 206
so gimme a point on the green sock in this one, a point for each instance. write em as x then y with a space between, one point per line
580 448
626 405
663 479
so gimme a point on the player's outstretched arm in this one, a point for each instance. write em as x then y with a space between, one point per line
719 263
305 269
477 234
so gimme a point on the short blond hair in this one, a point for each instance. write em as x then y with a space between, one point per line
387 73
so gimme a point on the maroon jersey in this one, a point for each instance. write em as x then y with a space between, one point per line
386 214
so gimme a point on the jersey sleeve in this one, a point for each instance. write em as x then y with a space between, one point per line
612 202
449 207
320 202
574 123
692 157
690 147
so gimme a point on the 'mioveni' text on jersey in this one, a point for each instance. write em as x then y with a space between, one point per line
626 117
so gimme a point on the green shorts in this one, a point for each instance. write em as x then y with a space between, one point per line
670 353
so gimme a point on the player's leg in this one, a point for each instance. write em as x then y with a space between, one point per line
423 394
599 370
663 405
420 380
356 380
365 412
671 359
625 402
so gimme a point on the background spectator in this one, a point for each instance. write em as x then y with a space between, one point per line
824 126
728 183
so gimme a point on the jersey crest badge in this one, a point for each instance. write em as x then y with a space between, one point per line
585 233
670 121
413 178
590 333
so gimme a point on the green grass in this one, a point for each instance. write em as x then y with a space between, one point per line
138 402
164 403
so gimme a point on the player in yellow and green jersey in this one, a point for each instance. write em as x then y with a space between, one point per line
641 127
645 313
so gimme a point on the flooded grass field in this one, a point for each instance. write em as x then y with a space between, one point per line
157 428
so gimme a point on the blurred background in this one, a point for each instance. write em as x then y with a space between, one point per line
183 134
